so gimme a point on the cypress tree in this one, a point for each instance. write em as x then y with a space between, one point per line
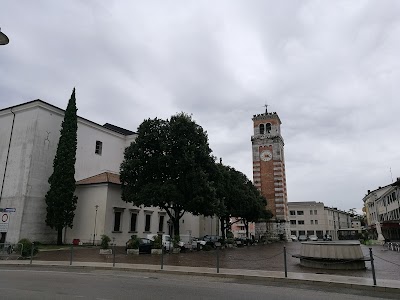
60 199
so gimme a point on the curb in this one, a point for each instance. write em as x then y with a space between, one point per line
278 277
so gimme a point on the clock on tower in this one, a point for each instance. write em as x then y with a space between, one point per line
269 167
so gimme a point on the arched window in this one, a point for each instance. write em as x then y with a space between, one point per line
268 128
261 128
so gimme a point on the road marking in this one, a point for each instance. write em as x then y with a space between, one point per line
82 273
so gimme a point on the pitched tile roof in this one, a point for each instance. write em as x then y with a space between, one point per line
105 177
118 129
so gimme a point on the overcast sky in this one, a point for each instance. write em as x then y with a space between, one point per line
330 69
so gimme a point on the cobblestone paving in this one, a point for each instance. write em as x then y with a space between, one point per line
260 257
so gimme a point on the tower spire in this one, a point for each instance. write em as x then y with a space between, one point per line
266 108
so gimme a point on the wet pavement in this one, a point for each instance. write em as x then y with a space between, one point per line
268 257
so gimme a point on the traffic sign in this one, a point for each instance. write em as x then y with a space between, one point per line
4 220
7 209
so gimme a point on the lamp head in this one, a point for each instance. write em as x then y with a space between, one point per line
3 39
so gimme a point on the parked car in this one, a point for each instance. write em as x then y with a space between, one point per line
198 244
302 238
313 238
293 238
145 245
166 240
240 242
327 237
211 240
185 242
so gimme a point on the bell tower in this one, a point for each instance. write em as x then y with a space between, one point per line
269 168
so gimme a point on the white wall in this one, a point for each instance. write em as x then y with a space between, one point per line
34 142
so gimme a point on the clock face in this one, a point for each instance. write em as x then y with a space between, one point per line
266 155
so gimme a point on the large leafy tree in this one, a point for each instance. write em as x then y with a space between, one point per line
253 208
169 166
60 199
238 198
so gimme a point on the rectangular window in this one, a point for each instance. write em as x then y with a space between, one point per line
293 232
161 224
316 222
300 222
300 212
99 148
292 222
147 223
133 221
117 221
310 211
310 232
302 232
292 213
315 211
312 222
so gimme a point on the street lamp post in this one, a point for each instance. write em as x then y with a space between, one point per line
3 39
94 230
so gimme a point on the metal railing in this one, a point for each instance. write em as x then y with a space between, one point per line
10 250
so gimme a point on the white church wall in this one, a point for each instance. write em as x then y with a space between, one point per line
85 214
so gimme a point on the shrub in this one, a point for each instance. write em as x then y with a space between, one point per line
105 241
25 248
133 243
157 242
176 241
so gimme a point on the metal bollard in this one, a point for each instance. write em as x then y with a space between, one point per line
284 258
162 258
217 259
71 254
114 254
372 265
33 246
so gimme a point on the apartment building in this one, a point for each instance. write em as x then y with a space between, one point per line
383 205
314 218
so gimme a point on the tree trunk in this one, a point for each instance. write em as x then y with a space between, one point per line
246 226
59 235
222 228
176 226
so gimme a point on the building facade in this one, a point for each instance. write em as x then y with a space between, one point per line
383 206
269 174
314 218
238 229
29 135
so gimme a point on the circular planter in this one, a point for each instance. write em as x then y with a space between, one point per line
338 255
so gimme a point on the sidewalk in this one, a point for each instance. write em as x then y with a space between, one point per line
383 285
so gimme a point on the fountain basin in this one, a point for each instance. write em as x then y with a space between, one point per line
339 255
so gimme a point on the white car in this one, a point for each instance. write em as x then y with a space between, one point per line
198 244
293 238
313 238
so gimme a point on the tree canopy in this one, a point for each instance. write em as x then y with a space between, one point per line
169 166
238 198
60 199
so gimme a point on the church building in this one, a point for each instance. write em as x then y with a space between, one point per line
29 134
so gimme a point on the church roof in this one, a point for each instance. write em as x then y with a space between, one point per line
118 129
105 177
